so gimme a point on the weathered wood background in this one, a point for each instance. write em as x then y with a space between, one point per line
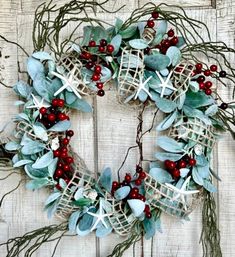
103 138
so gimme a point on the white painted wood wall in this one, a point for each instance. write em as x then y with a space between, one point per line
102 139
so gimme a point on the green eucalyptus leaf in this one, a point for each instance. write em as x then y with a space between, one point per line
34 67
162 27
37 183
149 228
43 56
174 54
61 126
160 175
12 146
102 231
122 192
22 163
181 42
137 207
86 221
196 176
52 167
52 197
73 220
32 148
128 32
116 42
198 99
157 62
81 105
23 89
82 202
169 144
168 156
87 32
138 44
212 110
208 186
167 122
44 161
165 105
106 179
40 132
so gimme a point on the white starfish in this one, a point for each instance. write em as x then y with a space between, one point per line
69 82
100 215
141 86
182 192
164 83
38 103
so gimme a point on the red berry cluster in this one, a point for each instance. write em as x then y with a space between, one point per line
91 61
150 22
134 193
174 167
50 116
204 84
64 168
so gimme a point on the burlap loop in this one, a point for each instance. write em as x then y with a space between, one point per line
130 72
194 129
70 64
162 197
122 219
81 177
149 34
182 75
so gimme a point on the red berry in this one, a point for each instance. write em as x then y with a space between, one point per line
198 66
213 68
208 91
176 173
166 43
141 197
101 92
201 85
128 178
147 208
97 69
69 133
60 165
138 182
207 73
95 77
87 55
92 43
174 41
110 48
67 180
133 195
155 15
101 49
51 117
148 215
69 160
171 33
166 163
135 190
172 165
223 106
115 184
65 141
99 85
142 175
182 164
192 162
186 158
64 149
150 23
66 167
56 153
59 173
223 74
61 103
103 42
208 84
43 110
58 186
89 65
54 102
201 79
138 169
62 116
63 155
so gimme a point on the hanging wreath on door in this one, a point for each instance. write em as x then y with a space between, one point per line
156 62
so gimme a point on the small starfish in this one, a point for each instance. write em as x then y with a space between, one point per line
182 192
69 82
100 215
38 104
164 83
141 86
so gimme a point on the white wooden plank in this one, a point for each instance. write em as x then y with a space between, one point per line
226 146
182 3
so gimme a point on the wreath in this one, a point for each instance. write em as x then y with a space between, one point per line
155 59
